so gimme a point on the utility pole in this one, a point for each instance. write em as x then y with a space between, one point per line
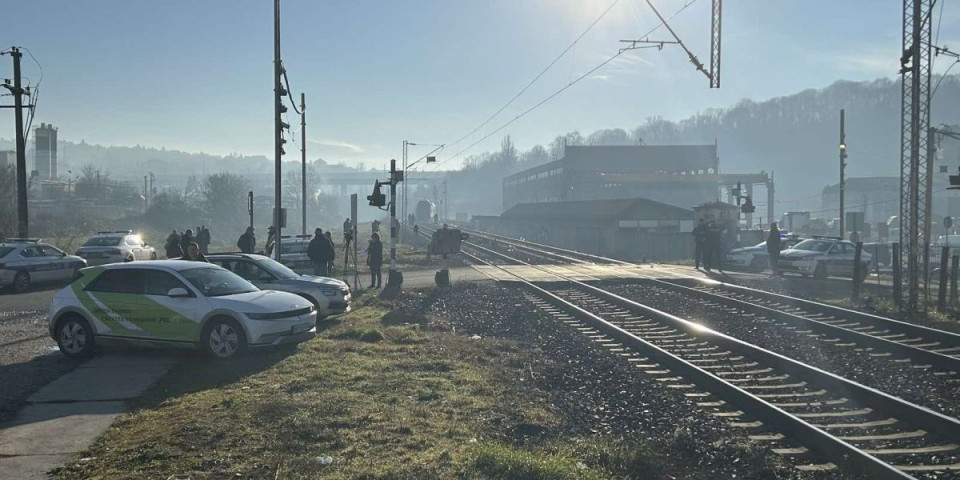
278 140
18 92
303 163
843 165
403 193
145 201
395 177
915 64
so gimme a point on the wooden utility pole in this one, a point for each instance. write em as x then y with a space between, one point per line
18 93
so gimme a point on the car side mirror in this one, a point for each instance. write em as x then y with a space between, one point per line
178 292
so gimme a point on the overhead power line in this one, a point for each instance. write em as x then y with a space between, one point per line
551 96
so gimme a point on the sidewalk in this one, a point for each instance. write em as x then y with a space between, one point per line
66 416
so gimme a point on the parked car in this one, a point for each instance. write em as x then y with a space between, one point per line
756 258
26 261
117 246
293 252
175 303
329 295
822 257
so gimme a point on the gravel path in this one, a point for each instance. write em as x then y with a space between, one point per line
598 393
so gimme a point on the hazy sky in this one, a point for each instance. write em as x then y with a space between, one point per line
196 75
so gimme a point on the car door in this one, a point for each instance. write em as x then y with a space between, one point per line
254 274
55 263
174 319
841 260
113 300
37 264
135 245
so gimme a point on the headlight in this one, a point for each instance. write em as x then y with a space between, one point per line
330 292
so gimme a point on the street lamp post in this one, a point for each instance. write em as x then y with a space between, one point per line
429 159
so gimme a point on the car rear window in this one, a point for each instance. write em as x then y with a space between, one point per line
103 242
4 251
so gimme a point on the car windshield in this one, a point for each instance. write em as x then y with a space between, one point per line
813 245
103 242
5 250
299 247
277 268
217 282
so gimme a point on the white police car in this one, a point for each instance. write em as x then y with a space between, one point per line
329 295
26 261
293 252
175 303
118 246
756 258
822 257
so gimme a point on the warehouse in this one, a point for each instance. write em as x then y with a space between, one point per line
628 229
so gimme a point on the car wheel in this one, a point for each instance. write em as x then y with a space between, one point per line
75 337
758 264
21 282
153 256
820 271
223 338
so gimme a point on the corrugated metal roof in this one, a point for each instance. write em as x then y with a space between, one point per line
632 208
641 158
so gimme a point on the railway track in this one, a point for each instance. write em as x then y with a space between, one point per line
796 408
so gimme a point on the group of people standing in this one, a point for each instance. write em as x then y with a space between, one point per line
178 245
708 241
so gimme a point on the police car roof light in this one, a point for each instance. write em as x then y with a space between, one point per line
115 231
21 240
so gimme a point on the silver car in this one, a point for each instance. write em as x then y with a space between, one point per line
113 247
26 261
293 252
822 257
329 295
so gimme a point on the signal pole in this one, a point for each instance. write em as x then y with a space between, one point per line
843 165
18 92
303 164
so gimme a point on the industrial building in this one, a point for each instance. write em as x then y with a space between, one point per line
631 229
678 175
8 158
45 151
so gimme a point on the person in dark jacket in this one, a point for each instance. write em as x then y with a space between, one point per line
375 260
773 248
332 251
247 242
699 242
172 247
193 253
714 246
271 240
203 239
317 251
186 239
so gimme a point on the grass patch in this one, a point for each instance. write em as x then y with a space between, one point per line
367 399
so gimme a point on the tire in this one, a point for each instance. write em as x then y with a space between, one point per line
153 256
758 264
820 271
223 339
75 337
21 282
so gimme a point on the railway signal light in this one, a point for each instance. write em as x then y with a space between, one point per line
954 182
377 199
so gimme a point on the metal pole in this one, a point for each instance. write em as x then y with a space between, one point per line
303 164
843 156
954 264
897 276
403 193
277 130
858 273
250 207
145 205
942 291
23 230
928 200
393 214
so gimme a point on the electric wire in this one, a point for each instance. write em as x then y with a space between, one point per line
536 78
570 84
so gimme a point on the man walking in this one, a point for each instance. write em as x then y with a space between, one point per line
203 239
699 239
172 247
186 239
316 251
715 246
773 248
247 242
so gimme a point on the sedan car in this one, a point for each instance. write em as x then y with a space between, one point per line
822 257
293 252
25 261
118 246
756 258
175 303
330 296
